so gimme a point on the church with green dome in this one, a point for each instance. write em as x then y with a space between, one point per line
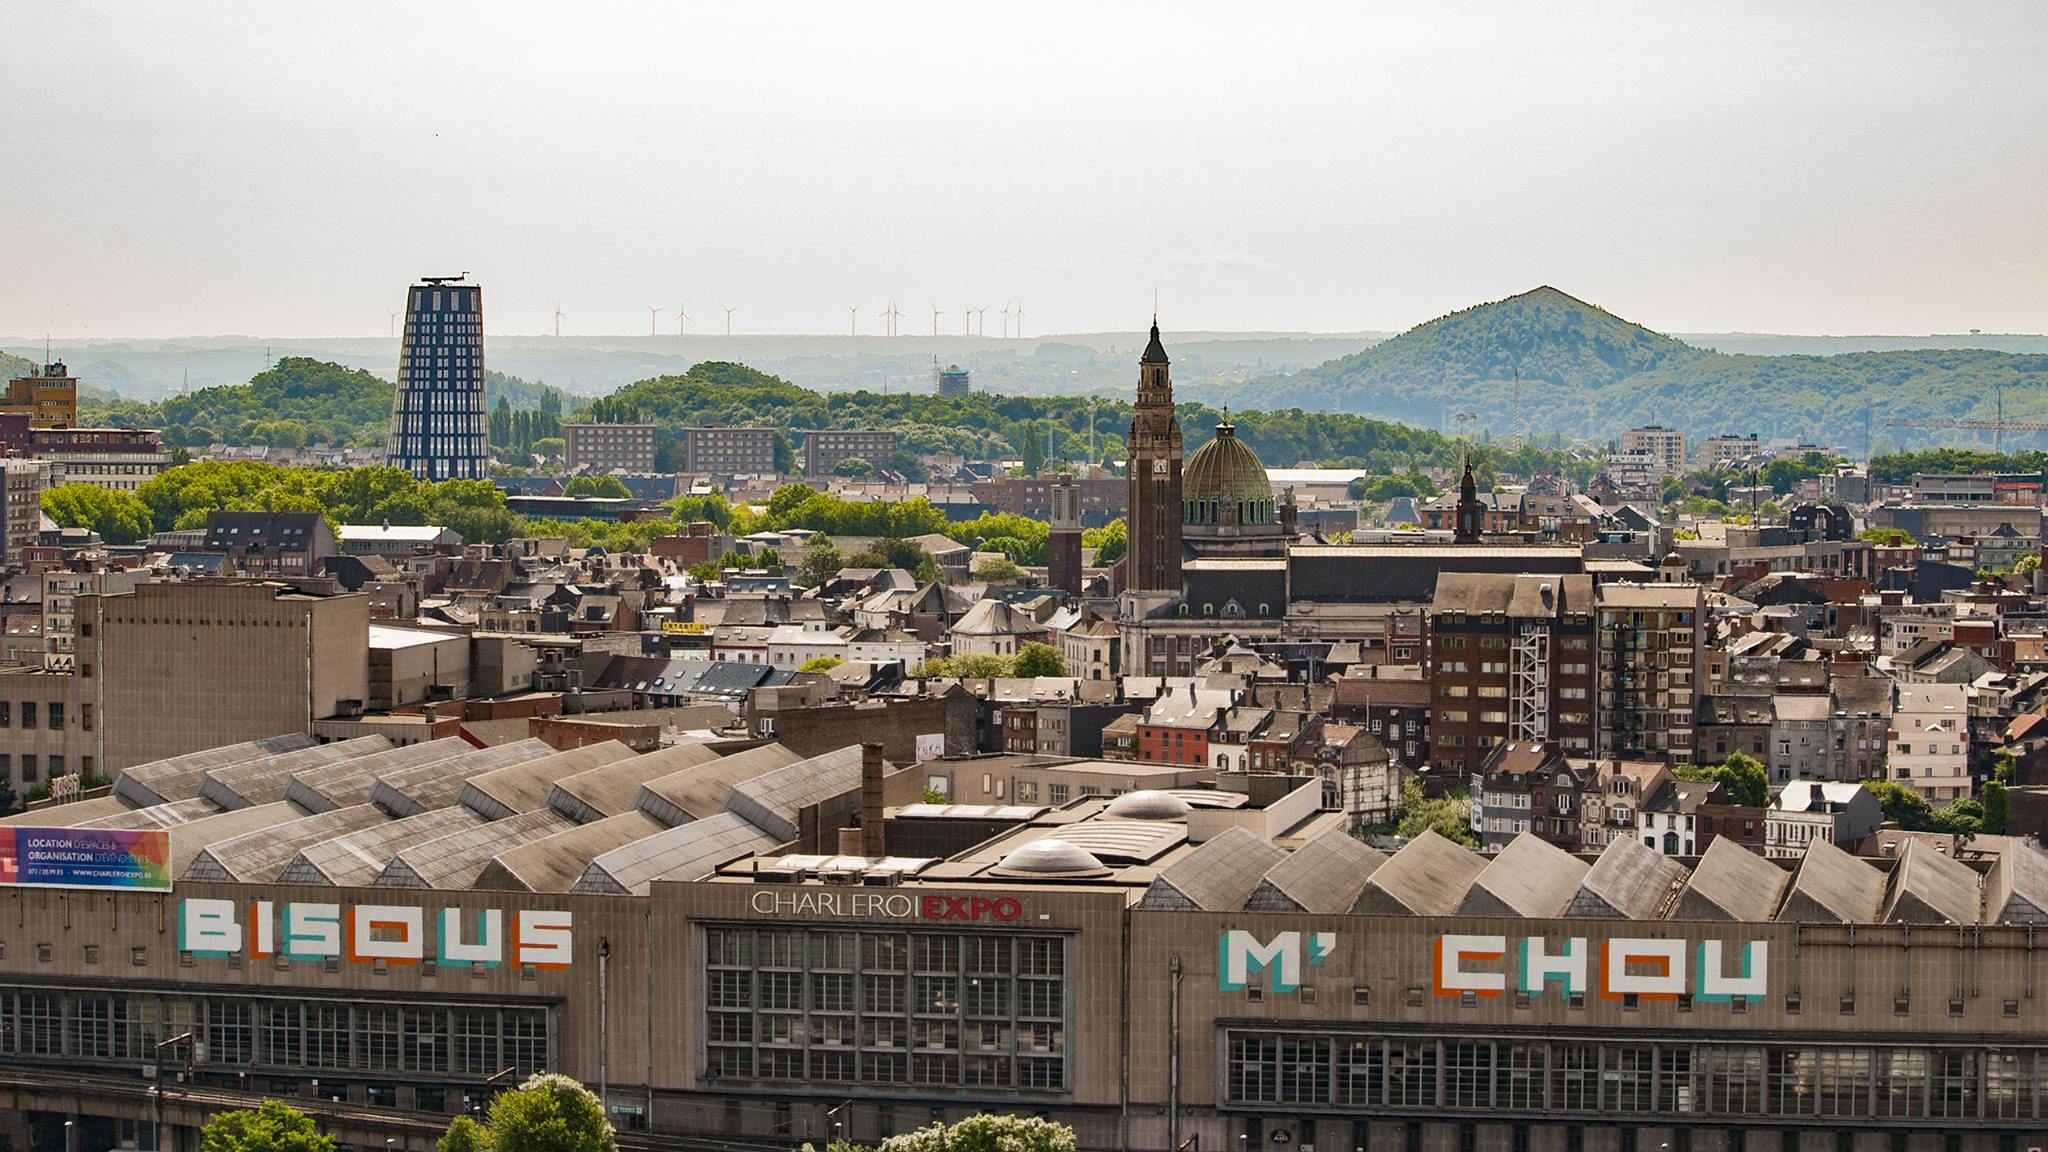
1215 504
1227 503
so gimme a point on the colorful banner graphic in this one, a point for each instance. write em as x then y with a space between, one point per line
86 858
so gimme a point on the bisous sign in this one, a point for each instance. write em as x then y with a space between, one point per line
369 933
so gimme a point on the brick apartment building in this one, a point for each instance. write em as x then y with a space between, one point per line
1511 658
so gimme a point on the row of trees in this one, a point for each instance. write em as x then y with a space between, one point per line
520 430
181 497
554 1113
1031 659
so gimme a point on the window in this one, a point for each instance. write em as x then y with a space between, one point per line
28 713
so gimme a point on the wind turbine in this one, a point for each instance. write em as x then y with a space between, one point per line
394 322
981 320
1006 321
558 319
652 312
892 315
935 319
853 319
1020 319
728 318
682 318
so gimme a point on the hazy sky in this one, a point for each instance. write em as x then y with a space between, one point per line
286 169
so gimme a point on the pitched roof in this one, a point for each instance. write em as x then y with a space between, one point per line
1429 876
1217 875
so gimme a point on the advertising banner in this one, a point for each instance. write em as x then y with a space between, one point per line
86 858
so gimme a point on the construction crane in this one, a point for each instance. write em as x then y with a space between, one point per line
1998 426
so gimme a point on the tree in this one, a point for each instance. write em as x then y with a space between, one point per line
1108 542
821 562
986 1132
1997 802
1958 818
119 517
820 664
1449 817
998 569
549 1113
854 466
273 1127
1035 659
464 1135
550 446
1749 783
608 487
1901 805
967 666
2027 565
1032 440
909 465
1744 777
1888 537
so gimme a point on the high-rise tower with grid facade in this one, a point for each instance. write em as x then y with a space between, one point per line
437 414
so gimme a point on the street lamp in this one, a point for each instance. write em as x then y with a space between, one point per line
156 1073
68 1128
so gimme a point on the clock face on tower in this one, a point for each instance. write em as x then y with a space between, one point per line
1159 468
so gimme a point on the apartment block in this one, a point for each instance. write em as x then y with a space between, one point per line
1650 670
824 448
729 451
1511 660
609 447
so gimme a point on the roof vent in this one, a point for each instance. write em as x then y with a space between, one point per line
1147 804
1051 855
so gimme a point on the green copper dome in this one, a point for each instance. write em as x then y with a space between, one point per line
1223 483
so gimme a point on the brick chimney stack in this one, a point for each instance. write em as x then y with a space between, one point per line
872 844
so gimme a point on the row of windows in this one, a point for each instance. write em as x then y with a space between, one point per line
241 1032
886 1007
1668 1079
53 711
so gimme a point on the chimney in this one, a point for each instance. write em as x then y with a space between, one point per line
871 842
850 841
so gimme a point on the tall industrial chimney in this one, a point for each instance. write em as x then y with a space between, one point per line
872 844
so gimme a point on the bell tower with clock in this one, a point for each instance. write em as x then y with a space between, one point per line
1152 465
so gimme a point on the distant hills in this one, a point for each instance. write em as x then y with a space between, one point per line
1588 373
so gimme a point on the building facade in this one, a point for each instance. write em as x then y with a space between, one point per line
609 447
21 490
177 668
1663 447
49 399
729 451
1511 659
438 429
119 459
1651 659
824 448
